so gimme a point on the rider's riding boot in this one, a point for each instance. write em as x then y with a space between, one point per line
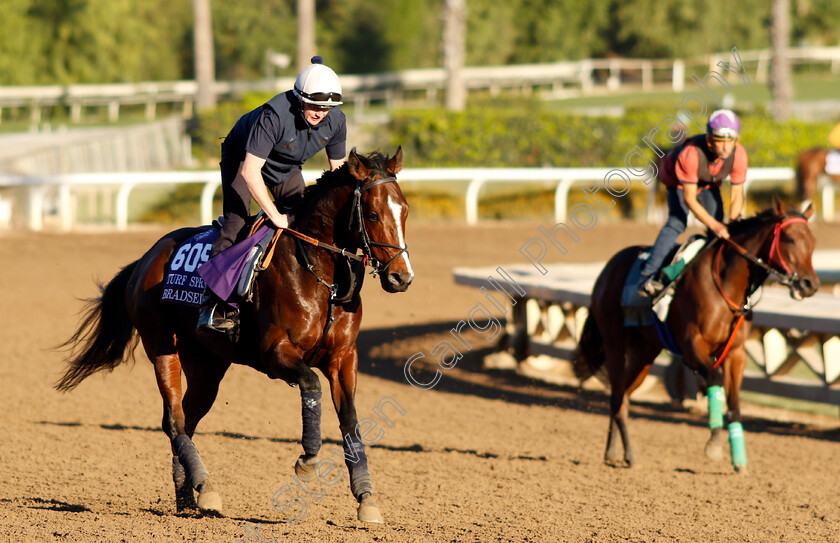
650 286
211 315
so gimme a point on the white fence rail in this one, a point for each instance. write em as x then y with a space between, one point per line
36 192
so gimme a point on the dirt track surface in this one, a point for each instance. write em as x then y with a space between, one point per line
486 456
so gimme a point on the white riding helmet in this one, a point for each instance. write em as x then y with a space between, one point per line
317 84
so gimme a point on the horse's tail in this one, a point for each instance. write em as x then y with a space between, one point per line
106 336
589 354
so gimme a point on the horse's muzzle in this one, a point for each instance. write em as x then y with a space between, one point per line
396 281
804 288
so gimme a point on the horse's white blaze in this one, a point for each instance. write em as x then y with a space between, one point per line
396 211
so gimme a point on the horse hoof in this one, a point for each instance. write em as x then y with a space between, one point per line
210 503
714 451
185 503
740 469
368 510
304 466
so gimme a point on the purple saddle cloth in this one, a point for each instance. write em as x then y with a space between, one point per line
221 273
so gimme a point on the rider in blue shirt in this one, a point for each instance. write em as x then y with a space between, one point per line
262 158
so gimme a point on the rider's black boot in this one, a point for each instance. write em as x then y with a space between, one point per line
211 315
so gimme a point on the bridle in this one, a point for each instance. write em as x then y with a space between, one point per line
367 243
788 277
366 258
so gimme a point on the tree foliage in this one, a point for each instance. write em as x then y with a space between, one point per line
69 41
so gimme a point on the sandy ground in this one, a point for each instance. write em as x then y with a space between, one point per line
486 456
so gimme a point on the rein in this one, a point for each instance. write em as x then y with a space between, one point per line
367 243
786 279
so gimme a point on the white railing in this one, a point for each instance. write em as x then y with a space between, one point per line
59 188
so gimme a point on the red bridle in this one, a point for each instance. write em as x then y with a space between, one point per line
777 233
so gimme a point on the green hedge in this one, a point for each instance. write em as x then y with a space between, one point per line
523 133
531 137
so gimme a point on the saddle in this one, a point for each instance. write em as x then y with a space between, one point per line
639 311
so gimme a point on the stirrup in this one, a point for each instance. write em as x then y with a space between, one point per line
650 287
211 319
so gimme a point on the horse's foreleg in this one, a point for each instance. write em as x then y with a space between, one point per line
310 404
342 376
714 396
734 367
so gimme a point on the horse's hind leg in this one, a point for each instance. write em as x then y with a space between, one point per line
626 374
168 375
188 471
204 373
618 407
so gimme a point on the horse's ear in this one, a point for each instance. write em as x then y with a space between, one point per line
396 162
778 206
809 211
356 166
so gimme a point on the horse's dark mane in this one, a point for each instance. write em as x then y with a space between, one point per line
749 224
375 161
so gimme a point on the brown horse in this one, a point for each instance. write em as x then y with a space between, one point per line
708 320
810 165
292 325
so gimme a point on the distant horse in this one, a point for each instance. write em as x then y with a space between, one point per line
292 325
709 320
810 165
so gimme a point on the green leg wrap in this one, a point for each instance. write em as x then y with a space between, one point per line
715 396
736 445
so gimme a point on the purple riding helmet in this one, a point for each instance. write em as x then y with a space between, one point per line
723 123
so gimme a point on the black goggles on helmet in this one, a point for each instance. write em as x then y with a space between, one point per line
322 96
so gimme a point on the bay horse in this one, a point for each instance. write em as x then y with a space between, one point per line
709 320
810 165
291 326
